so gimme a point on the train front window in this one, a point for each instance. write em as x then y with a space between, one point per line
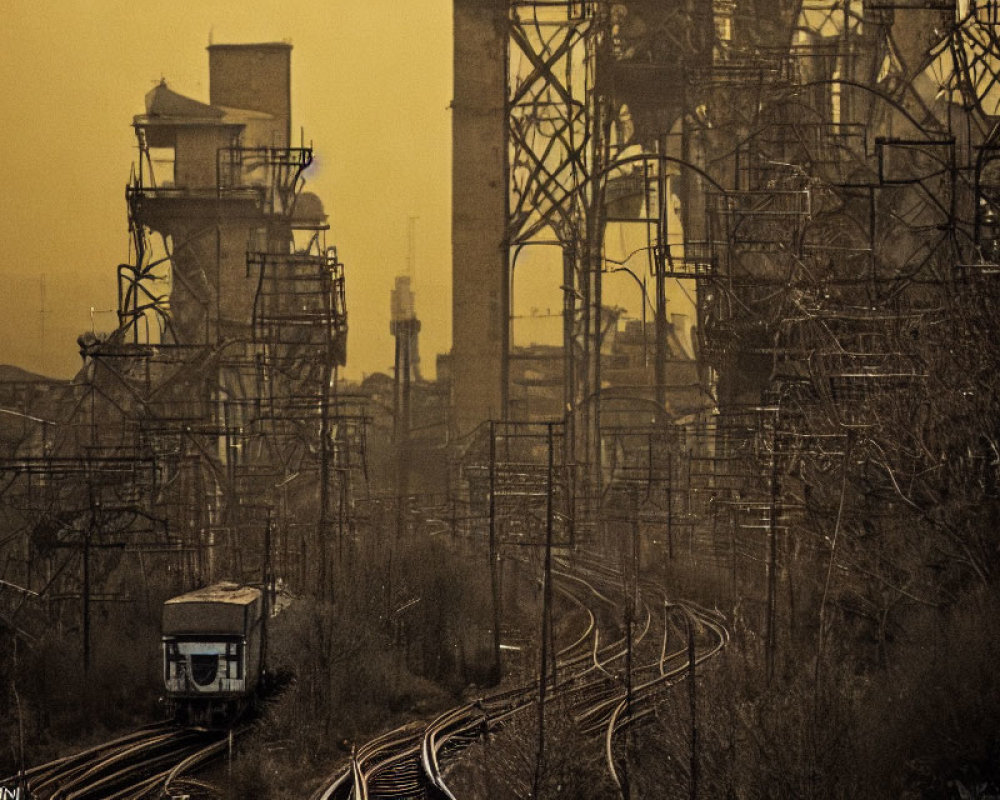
204 668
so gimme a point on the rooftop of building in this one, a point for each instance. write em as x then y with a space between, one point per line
164 106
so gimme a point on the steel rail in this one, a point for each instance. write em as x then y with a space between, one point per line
617 722
121 768
43 771
406 762
447 727
384 766
200 756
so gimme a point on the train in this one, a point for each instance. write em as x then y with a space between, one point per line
214 641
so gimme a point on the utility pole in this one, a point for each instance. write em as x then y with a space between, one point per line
546 618
268 588
494 555
660 261
630 575
772 555
693 701
87 545
87 533
670 505
86 596
324 480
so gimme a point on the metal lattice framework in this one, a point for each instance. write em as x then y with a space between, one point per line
197 435
556 146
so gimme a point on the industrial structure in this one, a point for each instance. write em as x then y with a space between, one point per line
801 405
819 176
206 436
801 194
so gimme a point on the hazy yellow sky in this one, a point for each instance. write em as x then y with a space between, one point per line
371 84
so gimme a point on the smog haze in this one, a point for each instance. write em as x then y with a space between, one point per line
371 87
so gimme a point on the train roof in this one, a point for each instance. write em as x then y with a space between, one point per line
225 592
223 608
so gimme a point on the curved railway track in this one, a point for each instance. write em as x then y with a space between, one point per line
149 762
407 763
608 672
637 706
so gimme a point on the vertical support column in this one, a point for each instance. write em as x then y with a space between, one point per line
494 554
546 642
693 703
268 593
324 484
595 275
480 268
86 594
772 555
660 262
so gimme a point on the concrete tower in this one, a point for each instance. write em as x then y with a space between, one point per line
479 212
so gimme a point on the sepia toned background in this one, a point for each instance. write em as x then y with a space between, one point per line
371 84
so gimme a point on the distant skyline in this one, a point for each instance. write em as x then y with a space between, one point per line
371 86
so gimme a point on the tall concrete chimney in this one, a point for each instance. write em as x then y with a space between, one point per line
255 77
479 192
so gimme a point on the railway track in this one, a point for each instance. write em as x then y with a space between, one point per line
406 764
150 762
604 702
612 709
637 705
